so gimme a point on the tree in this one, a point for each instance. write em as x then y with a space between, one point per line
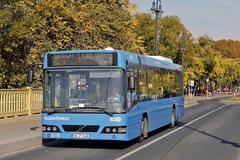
232 72
145 31
30 28
170 29
13 29
194 71
228 48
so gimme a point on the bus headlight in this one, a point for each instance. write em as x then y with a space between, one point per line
50 128
107 130
54 129
115 130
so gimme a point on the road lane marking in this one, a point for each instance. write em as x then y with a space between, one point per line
20 151
166 135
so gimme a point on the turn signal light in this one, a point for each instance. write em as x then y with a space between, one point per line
115 130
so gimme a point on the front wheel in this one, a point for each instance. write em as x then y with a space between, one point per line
144 130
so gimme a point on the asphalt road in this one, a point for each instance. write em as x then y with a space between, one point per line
210 130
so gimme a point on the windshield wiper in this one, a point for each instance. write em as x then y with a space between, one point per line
56 110
108 113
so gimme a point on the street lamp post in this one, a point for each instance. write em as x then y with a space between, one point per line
182 51
182 46
207 80
157 9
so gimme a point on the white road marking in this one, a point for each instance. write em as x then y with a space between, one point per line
20 151
164 136
132 152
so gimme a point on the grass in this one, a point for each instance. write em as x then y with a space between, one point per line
233 99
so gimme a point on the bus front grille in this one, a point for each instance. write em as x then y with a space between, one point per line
80 128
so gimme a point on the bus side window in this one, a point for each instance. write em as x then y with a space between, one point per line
159 84
178 84
143 88
132 94
151 85
166 84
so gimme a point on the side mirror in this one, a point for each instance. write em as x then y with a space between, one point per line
131 83
30 75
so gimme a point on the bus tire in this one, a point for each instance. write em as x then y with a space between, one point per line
144 129
173 118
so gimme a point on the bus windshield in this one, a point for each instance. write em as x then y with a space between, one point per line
90 90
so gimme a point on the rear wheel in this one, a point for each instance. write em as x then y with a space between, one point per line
173 118
144 130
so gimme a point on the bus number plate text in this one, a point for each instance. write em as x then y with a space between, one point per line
81 136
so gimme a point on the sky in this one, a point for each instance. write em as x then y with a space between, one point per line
219 19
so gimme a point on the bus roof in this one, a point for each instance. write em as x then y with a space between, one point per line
129 57
151 61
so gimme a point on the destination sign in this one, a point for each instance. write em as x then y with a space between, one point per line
82 59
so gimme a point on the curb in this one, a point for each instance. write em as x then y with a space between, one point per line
230 102
190 105
202 100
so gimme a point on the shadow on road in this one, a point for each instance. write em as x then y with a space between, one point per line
123 145
103 144
223 141
92 144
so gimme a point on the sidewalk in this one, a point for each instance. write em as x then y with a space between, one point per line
191 101
23 132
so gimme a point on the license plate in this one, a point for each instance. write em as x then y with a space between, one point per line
81 136
54 135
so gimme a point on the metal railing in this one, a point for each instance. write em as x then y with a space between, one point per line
15 102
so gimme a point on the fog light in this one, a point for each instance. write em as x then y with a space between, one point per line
44 128
114 130
54 129
48 128
107 130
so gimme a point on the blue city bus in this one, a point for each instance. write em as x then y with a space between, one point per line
108 95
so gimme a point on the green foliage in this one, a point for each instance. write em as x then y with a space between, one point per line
145 31
170 29
28 28
169 37
194 71
232 72
233 99
223 71
228 48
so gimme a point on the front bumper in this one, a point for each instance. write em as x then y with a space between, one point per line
84 136
101 120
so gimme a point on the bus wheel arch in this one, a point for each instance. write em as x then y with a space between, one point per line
144 128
